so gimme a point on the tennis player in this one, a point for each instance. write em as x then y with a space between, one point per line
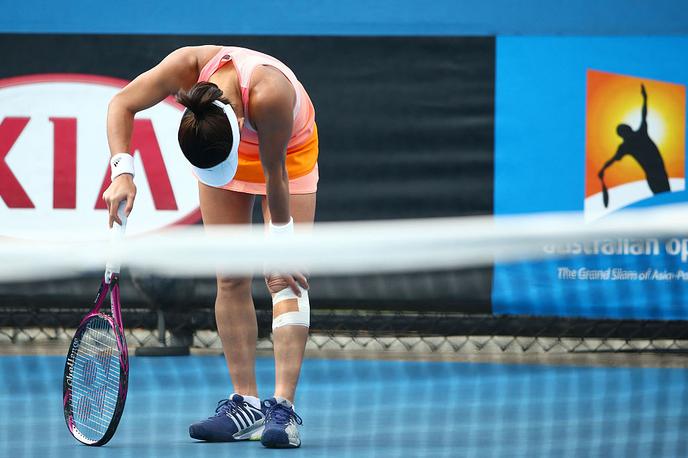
248 130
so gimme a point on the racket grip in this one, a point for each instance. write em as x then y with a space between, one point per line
117 231
114 262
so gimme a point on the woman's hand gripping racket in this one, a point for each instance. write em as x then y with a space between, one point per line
97 368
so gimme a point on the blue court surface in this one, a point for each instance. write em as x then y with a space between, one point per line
355 408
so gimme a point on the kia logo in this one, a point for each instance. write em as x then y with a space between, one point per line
54 159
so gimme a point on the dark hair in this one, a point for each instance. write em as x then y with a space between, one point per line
205 135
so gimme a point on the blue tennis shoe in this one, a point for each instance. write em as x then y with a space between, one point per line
234 420
281 422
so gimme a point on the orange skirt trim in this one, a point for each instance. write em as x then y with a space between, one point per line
300 160
307 184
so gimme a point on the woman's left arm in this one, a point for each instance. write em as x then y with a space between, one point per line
272 114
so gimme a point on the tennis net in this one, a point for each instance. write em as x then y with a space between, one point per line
524 336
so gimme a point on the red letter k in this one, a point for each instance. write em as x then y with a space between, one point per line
10 190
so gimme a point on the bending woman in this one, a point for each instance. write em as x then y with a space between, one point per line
249 129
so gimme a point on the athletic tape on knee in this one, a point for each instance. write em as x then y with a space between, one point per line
290 310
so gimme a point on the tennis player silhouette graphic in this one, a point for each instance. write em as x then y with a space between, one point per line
639 145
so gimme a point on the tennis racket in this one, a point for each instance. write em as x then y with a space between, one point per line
605 193
97 368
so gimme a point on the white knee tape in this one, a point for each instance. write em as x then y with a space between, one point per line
290 310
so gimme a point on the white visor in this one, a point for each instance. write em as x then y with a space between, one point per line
222 173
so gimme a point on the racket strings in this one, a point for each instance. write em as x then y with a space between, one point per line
96 379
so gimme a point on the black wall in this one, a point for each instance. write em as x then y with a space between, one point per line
406 124
406 131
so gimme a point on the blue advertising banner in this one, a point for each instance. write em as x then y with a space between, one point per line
595 125
350 18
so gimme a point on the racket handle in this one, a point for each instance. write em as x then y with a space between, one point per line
113 264
117 231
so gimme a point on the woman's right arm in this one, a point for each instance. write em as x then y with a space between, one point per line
179 70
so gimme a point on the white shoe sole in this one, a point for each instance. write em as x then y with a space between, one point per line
251 433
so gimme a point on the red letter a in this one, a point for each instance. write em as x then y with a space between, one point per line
144 141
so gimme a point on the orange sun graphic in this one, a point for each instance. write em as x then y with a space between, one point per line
614 99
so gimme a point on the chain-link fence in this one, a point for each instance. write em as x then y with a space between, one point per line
356 330
432 312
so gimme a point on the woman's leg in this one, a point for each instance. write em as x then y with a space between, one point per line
234 310
290 341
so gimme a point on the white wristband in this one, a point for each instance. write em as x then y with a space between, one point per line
121 163
282 231
278 234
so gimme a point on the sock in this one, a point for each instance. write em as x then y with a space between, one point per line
253 401
284 401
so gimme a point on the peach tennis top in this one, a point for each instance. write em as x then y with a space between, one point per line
302 149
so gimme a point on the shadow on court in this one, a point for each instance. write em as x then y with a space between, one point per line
370 408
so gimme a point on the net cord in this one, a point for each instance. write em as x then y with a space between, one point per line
338 248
